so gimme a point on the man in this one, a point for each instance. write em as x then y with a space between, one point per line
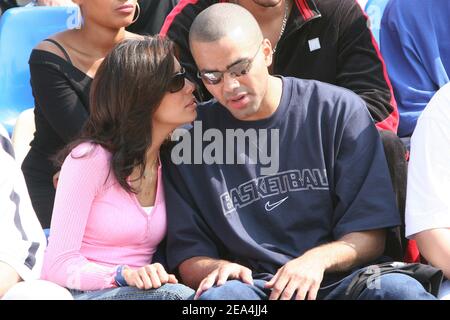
325 40
417 58
292 227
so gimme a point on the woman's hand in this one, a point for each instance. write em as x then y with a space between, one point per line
151 276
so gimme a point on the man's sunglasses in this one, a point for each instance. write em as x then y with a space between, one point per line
239 69
177 82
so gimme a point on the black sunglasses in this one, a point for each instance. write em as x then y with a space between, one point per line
177 82
239 69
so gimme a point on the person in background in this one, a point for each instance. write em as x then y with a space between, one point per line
62 68
428 201
22 241
153 14
417 58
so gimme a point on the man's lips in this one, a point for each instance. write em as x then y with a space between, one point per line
238 101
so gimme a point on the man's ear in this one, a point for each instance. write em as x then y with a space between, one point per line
267 51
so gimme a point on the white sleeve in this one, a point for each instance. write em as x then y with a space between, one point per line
22 240
428 191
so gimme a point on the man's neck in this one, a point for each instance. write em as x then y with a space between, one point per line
271 20
264 15
272 99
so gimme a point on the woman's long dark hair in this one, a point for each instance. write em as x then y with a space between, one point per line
127 89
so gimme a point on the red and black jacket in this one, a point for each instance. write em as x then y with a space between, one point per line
348 55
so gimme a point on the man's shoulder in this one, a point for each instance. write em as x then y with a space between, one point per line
326 101
322 91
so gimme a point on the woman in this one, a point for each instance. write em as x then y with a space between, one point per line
62 68
109 214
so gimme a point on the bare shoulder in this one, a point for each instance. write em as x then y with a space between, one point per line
62 38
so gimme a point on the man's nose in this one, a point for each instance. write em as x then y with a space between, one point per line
230 83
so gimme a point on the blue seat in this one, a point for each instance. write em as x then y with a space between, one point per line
21 29
375 9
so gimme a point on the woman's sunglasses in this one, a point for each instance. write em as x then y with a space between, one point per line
177 82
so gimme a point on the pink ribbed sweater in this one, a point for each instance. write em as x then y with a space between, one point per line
96 225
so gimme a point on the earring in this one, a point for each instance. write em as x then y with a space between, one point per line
80 19
138 12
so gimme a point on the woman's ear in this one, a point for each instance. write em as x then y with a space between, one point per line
267 51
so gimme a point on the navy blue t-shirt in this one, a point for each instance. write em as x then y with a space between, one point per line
332 179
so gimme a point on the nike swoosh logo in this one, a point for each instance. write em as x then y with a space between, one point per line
270 206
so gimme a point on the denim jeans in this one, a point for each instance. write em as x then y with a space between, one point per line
392 286
168 291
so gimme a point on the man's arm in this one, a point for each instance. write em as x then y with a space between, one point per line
353 249
427 204
194 270
364 207
8 277
304 274
434 245
301 277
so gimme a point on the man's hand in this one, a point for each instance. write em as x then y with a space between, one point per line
55 3
225 271
148 277
301 276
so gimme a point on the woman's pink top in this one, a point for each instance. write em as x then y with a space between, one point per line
97 225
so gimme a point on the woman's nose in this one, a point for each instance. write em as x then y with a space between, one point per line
189 85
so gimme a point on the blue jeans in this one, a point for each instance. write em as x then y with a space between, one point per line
168 291
392 286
